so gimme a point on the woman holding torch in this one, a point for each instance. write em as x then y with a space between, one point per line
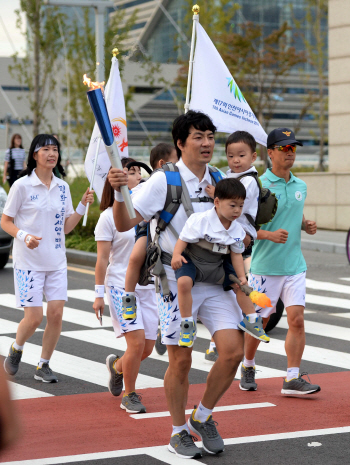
141 332
38 213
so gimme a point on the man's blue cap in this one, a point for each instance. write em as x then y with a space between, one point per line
282 136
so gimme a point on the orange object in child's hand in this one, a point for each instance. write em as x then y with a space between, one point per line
260 299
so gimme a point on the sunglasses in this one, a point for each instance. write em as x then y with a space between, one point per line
285 148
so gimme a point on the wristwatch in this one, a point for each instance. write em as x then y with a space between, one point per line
28 238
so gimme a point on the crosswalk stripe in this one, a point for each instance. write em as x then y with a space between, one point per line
70 315
327 301
75 367
105 338
19 392
326 286
84 294
311 354
224 408
320 329
342 315
9 327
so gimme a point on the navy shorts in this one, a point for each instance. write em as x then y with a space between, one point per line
141 231
187 269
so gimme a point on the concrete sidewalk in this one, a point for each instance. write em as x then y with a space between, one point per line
323 241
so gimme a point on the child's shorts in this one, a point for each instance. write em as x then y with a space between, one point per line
187 269
141 231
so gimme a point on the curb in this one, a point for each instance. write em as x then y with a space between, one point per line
79 257
319 246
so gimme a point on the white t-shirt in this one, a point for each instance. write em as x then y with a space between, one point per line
17 154
149 201
208 226
251 200
41 212
122 244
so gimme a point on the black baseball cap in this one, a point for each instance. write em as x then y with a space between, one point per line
282 136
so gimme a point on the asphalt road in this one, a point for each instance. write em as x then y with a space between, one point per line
78 416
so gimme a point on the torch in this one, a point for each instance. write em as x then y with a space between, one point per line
258 298
98 106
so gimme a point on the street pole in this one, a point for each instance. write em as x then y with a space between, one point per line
100 10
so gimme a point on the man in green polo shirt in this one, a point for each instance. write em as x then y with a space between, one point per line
278 267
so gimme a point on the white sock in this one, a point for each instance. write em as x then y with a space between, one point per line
202 413
292 373
42 360
249 363
252 317
16 346
130 293
178 429
212 346
187 318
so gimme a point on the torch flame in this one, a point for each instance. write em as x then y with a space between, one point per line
92 85
260 299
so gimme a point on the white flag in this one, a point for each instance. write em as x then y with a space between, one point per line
116 111
215 92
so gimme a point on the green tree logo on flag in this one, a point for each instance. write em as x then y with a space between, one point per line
234 89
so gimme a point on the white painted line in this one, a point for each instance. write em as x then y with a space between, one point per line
84 294
341 315
224 408
311 354
327 301
76 367
106 338
321 329
162 453
70 315
326 286
345 279
9 327
19 392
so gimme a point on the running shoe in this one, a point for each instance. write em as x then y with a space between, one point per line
254 329
212 441
45 374
132 403
187 333
248 379
211 355
115 382
159 346
299 386
182 444
129 307
11 362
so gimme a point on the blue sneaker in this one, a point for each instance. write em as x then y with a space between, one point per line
129 307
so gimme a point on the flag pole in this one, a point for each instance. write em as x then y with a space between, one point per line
195 10
115 52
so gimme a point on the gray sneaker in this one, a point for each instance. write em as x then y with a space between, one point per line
129 307
115 382
45 374
211 356
182 444
188 332
254 329
11 362
132 403
299 386
211 439
159 346
248 379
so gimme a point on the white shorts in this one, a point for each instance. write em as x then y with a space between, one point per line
147 313
291 290
31 285
217 309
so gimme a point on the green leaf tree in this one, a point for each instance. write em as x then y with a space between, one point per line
36 69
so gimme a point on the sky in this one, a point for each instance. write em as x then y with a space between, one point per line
8 18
